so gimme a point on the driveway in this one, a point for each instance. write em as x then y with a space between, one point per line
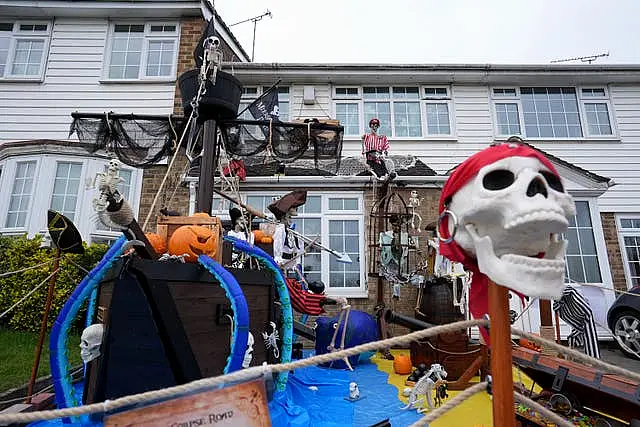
610 353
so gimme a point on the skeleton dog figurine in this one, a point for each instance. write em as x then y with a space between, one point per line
502 212
425 386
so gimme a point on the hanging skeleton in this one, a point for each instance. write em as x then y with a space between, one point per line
414 202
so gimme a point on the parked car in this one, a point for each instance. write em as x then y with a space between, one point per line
624 321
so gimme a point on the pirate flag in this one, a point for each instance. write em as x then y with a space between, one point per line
63 233
266 107
209 31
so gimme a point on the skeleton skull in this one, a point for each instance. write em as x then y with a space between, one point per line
248 354
510 216
114 166
90 342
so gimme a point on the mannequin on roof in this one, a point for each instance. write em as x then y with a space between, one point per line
375 148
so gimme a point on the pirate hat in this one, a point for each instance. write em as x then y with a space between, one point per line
290 200
235 214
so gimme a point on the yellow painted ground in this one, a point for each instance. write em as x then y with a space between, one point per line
474 412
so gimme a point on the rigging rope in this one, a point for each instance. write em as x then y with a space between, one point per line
29 294
9 273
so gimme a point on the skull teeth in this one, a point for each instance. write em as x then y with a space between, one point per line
538 263
539 215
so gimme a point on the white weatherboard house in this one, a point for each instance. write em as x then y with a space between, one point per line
57 57
585 117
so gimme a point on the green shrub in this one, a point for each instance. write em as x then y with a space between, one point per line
17 253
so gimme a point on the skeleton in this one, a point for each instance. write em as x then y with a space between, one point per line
414 202
271 340
248 354
425 386
354 391
508 216
90 342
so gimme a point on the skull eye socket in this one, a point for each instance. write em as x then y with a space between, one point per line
553 181
498 179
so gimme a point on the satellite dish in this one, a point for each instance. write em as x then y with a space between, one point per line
64 235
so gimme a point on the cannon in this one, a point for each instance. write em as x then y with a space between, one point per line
412 323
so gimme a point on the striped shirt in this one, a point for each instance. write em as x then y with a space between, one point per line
373 142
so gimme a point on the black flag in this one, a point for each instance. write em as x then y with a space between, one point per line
209 31
266 107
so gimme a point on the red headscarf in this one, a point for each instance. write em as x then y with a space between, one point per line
478 294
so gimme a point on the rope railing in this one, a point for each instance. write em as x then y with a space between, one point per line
31 292
22 270
258 371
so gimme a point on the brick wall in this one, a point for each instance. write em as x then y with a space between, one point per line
613 250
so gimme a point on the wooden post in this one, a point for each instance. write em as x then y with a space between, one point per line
204 200
43 325
501 364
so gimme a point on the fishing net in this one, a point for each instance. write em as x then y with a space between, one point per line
138 141
285 143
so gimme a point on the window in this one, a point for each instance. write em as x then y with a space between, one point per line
21 193
582 264
437 111
397 108
629 228
139 51
347 108
65 188
23 48
552 112
337 219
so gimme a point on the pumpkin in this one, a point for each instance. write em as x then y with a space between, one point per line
193 240
402 364
258 235
201 214
157 242
267 240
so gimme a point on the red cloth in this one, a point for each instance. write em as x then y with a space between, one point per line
478 294
373 142
235 168
304 301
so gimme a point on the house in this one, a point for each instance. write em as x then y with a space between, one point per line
585 118
60 57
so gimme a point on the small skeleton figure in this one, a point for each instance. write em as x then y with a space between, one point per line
425 386
271 340
90 342
354 391
248 354
108 181
414 202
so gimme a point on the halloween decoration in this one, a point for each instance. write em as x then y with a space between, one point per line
271 339
90 342
64 234
193 240
402 364
239 230
354 392
286 245
248 355
416 219
157 242
425 386
574 309
375 148
201 214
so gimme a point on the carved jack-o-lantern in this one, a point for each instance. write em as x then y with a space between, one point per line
193 240
158 243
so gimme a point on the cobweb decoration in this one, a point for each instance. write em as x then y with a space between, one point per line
138 141
284 142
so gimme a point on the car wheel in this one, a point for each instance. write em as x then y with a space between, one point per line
627 327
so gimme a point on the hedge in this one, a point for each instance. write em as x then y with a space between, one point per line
19 252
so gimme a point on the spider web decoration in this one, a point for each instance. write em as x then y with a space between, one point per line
284 142
138 141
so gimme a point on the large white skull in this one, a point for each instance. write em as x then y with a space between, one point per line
509 214
248 354
90 342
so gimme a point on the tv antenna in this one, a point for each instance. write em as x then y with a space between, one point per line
255 20
588 59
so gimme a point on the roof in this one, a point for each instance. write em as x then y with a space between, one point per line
226 28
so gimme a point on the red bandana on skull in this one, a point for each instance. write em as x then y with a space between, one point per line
478 294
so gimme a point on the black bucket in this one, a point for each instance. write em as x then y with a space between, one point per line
220 101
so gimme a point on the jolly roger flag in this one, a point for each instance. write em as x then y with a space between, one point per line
266 107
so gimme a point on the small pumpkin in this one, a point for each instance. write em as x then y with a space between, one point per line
266 239
402 364
201 215
193 240
258 235
158 243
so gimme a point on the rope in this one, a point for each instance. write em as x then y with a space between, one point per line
237 376
28 294
453 353
577 355
451 403
547 413
9 273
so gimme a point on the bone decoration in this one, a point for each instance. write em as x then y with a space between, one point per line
510 216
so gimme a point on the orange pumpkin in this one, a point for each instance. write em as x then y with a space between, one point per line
266 239
193 240
258 235
402 364
157 242
201 214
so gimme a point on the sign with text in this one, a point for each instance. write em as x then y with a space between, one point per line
238 405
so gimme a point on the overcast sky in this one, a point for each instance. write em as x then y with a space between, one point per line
437 31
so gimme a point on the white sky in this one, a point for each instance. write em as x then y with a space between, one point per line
437 31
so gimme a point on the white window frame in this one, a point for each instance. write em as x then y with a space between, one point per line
622 233
349 99
33 199
325 215
581 100
436 99
147 37
55 173
16 35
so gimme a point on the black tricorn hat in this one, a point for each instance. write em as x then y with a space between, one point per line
290 200
234 213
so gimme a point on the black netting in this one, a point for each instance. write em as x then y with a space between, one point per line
138 141
284 142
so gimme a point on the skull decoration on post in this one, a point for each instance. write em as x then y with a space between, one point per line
248 354
90 342
501 214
